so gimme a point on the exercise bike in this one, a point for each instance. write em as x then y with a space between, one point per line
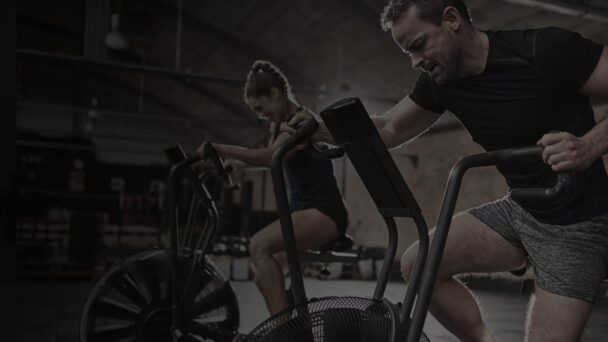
179 293
178 310
164 294
375 318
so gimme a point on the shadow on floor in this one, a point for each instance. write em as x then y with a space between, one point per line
50 311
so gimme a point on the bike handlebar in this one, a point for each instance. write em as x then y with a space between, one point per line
222 170
303 132
564 179
325 153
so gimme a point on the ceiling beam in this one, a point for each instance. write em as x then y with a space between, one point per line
249 50
48 27
215 132
34 54
179 77
216 97
584 12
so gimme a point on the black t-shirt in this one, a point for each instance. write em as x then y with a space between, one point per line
312 182
530 87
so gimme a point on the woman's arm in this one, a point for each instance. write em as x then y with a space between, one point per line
252 156
261 156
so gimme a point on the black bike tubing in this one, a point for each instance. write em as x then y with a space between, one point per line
278 179
174 225
439 239
389 258
199 260
202 244
174 237
212 221
204 239
414 280
429 274
192 216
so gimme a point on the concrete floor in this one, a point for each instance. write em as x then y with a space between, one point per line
50 311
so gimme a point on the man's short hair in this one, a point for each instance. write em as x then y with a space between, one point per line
429 10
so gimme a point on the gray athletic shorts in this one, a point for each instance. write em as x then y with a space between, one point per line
569 260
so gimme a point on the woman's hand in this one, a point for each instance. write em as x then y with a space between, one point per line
200 151
235 165
295 121
291 127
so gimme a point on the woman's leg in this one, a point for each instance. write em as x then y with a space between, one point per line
312 230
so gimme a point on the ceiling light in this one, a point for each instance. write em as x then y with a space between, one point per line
115 39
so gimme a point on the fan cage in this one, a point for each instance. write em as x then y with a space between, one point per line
331 319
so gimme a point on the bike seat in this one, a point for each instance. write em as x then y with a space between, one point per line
341 243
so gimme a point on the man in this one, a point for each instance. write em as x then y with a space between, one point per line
511 89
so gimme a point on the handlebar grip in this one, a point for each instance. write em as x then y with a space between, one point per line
516 154
305 130
564 179
326 153
564 182
222 170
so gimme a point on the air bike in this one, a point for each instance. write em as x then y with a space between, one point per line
375 318
169 294
179 295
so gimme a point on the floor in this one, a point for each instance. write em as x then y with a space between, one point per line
50 311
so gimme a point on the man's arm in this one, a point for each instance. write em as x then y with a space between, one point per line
597 84
401 123
564 151
405 121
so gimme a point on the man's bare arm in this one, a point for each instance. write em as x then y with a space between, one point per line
401 123
564 151
405 121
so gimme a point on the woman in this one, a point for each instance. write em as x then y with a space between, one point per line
318 212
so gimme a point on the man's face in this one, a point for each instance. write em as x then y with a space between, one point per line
432 48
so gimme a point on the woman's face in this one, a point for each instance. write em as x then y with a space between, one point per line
268 107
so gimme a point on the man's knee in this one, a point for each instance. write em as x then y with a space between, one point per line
408 261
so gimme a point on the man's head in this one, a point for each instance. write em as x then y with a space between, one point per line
430 32
428 10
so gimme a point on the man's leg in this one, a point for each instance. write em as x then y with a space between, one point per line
312 229
471 247
555 318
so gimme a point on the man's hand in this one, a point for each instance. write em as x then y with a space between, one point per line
564 151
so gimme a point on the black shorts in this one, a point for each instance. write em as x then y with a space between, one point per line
337 213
